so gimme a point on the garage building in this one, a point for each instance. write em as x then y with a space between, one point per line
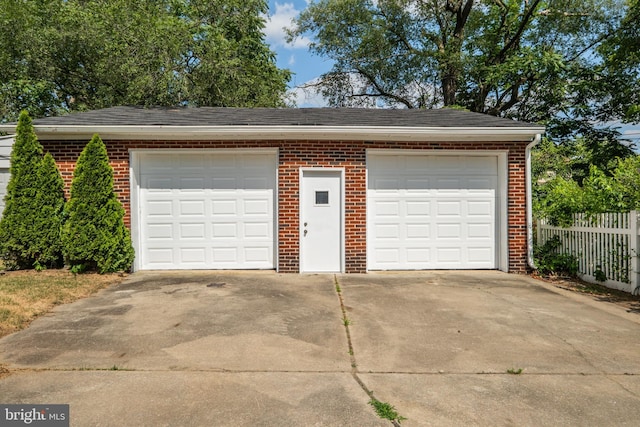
311 190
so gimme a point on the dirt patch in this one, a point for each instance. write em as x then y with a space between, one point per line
27 294
631 303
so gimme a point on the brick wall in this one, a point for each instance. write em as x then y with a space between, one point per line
297 154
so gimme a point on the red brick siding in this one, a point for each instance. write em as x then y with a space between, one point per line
293 155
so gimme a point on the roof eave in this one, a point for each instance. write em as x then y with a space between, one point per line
250 132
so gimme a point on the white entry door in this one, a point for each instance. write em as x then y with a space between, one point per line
321 221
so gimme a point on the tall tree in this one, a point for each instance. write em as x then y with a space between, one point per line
526 59
66 55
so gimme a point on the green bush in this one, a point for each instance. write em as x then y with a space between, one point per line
30 225
549 259
94 235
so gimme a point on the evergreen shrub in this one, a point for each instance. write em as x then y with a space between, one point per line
94 235
31 221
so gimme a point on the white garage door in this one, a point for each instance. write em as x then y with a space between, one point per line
206 211
4 180
431 212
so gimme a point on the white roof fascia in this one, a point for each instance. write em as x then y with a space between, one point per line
248 132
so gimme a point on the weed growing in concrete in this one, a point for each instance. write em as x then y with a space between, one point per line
514 371
386 411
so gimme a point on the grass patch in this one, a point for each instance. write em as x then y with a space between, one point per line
386 411
514 371
25 295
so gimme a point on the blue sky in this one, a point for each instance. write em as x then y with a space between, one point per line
294 56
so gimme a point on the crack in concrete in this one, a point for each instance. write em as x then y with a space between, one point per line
352 355
331 372
611 378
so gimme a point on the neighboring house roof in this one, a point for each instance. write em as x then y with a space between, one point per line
281 123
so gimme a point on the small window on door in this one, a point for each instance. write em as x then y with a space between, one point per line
322 198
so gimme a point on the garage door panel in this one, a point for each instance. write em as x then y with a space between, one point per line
418 231
418 208
193 255
159 208
480 231
448 257
191 208
225 255
448 231
224 207
387 256
224 230
418 256
480 208
192 231
160 256
448 208
159 231
257 230
479 255
194 213
444 218
256 254
387 231
260 207
390 208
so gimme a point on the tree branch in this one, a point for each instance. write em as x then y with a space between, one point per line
381 90
516 37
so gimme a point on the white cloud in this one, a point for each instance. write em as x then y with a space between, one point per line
283 18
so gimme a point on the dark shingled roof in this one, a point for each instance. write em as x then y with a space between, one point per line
210 116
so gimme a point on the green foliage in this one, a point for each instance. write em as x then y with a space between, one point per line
568 180
49 218
600 275
386 411
550 260
74 55
505 57
30 226
622 58
561 199
94 236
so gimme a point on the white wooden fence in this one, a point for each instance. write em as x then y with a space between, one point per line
606 245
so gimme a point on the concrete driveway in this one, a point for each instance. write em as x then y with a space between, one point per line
263 349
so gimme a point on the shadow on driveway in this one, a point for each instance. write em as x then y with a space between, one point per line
260 348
